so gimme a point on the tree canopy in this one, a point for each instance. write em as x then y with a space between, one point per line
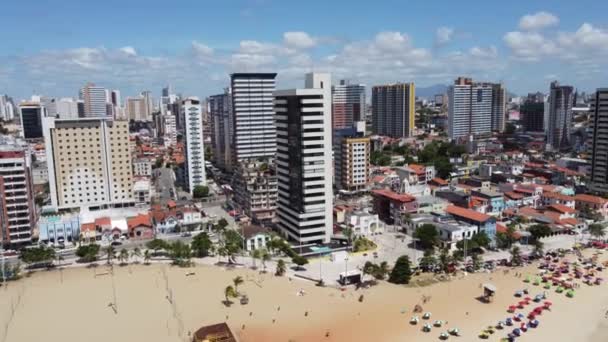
200 191
88 253
38 255
201 245
427 235
539 230
401 272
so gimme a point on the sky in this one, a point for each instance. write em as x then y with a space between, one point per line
52 47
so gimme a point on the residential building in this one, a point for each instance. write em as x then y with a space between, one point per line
495 200
475 109
40 173
255 189
303 121
220 110
142 167
169 129
140 227
255 237
483 222
136 109
392 207
89 162
17 208
56 228
533 115
348 104
142 193
393 110
559 121
192 111
598 142
7 109
352 152
364 223
94 99
31 114
254 133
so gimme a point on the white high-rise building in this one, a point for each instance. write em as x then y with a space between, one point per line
7 110
94 98
304 163
254 131
65 108
192 111
170 130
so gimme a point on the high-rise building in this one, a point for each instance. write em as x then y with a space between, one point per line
220 110
65 108
148 105
254 131
17 208
136 109
94 99
559 122
192 111
7 109
351 158
475 108
89 162
348 104
533 113
597 142
304 169
31 114
169 130
393 109
255 189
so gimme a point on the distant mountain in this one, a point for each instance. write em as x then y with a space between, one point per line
430 92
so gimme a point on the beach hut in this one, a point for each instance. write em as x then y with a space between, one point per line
489 290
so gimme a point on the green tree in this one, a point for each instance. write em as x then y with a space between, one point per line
539 248
110 254
147 257
232 243
427 235
428 260
87 253
281 268
539 230
201 245
401 273
157 245
300 261
265 256
229 293
255 254
136 253
516 256
348 234
597 230
200 191
123 256
38 256
180 253
222 223
481 240
477 261
238 280
445 259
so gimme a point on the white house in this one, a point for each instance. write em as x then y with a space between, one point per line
364 223
255 237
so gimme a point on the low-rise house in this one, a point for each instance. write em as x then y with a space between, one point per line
255 236
430 204
364 223
173 219
582 201
483 222
142 167
557 198
142 191
450 230
391 206
53 228
140 227
496 202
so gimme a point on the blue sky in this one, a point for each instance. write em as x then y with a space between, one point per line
53 47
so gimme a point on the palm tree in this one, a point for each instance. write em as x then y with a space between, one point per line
597 230
238 280
348 233
123 256
265 257
516 256
146 257
136 253
256 254
538 248
280 268
445 259
59 258
110 253
229 292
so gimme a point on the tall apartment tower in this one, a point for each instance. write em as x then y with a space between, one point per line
31 115
169 129
17 208
598 177
220 110
393 109
474 108
192 111
94 99
559 123
254 132
352 151
89 162
348 104
7 110
533 113
304 168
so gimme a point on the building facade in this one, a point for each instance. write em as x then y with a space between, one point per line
220 110
598 142
31 114
393 110
94 99
348 104
559 121
89 162
192 111
304 171
255 189
17 208
352 169
533 115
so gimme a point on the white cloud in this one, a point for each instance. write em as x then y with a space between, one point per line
444 35
391 41
202 49
529 46
298 40
537 21
129 50
489 52
586 37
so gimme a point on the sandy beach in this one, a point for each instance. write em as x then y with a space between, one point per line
161 303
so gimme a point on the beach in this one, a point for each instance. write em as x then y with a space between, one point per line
163 303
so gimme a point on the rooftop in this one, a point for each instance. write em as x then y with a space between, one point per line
404 198
467 213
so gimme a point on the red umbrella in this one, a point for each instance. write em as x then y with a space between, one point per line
511 308
548 303
522 303
527 299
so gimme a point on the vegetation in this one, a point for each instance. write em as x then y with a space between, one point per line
427 235
538 248
378 271
157 245
110 254
402 272
265 256
428 262
38 256
300 261
87 253
123 256
200 191
516 259
506 239
597 230
281 268
180 253
539 230
147 257
445 259
438 153
475 243
362 244
136 253
229 293
380 158
201 245
230 244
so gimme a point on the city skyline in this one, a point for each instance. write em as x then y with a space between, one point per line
526 46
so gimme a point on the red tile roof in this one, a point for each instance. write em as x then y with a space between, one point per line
562 209
590 199
419 169
87 227
171 204
439 181
571 221
501 228
514 195
558 196
394 196
467 213
103 221
139 220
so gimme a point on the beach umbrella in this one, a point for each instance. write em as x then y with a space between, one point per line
509 321
570 294
426 328
534 323
437 323
500 325
426 315
511 309
548 303
519 293
522 303
527 299
414 320
484 335
516 332
454 331
520 315
443 336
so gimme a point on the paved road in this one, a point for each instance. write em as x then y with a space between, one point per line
165 185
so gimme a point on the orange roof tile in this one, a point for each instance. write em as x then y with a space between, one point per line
440 181
394 196
562 208
467 213
558 196
87 227
571 221
103 221
419 169
139 220
590 199
513 195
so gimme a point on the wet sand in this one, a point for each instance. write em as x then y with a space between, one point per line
161 303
